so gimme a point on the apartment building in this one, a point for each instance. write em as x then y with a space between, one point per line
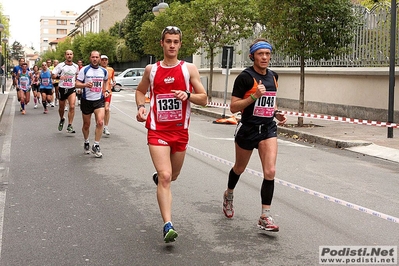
55 27
100 16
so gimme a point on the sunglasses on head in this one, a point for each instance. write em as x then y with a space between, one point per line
172 30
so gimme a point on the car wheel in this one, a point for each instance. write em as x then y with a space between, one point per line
117 88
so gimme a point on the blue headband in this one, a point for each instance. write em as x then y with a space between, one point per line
260 45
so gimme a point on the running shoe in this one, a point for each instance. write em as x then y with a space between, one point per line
61 124
169 233
35 107
106 131
95 149
45 111
66 109
52 104
155 178
267 223
70 129
23 112
86 147
228 206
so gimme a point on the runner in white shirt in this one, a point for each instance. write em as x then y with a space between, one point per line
67 72
93 81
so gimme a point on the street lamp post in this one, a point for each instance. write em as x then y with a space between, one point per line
159 8
1 57
5 41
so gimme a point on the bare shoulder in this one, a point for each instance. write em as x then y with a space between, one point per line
192 69
148 67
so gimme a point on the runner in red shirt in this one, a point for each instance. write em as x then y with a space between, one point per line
173 84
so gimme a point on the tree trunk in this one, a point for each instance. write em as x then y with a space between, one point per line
210 75
302 92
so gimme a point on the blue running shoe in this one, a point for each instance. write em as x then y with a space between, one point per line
169 233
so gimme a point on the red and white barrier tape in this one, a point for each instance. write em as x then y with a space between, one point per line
303 189
324 117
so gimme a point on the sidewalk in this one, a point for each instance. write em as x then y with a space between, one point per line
364 139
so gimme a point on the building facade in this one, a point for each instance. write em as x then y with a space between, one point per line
100 16
55 27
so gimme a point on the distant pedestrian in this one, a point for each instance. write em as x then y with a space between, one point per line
56 81
111 82
46 86
79 91
15 71
36 85
93 80
24 85
254 94
66 73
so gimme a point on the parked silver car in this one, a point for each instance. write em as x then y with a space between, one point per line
129 78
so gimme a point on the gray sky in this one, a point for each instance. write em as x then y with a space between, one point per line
25 16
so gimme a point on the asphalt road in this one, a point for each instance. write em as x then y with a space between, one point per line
62 207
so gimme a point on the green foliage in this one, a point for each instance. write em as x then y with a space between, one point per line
116 30
102 42
370 3
62 47
309 28
217 23
16 50
5 22
150 33
77 53
83 45
140 12
123 53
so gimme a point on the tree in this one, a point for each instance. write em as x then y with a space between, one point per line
309 29
102 42
150 33
16 50
140 11
217 23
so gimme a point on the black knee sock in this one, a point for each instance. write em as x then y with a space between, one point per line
44 104
233 179
267 191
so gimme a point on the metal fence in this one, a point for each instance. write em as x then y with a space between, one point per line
370 48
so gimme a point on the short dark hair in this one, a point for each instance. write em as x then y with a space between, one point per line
171 30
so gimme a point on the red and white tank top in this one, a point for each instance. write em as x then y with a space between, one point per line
167 112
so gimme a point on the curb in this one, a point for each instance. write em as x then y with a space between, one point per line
326 141
3 102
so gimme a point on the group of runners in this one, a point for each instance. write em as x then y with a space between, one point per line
91 85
